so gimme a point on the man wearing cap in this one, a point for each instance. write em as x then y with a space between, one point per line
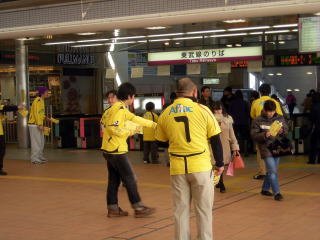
35 124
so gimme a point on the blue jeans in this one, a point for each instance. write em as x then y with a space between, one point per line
271 180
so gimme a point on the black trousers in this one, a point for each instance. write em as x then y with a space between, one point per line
242 133
2 150
314 151
150 147
120 169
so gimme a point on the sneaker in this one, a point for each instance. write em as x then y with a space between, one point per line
146 162
117 213
144 212
44 160
278 197
259 177
3 173
266 193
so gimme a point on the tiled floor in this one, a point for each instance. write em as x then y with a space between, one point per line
65 200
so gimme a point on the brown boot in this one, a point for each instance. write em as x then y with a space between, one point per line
117 213
144 212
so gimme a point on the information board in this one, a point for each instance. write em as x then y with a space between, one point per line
309 34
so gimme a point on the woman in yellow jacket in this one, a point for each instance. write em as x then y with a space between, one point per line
35 124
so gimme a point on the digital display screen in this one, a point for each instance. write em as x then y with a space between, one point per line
309 34
299 59
210 81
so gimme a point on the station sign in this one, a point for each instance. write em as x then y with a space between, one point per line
205 55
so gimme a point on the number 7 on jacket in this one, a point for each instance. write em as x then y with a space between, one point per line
185 121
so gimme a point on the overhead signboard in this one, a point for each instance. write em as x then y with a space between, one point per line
309 34
298 59
207 81
205 55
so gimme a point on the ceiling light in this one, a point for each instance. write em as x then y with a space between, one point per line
272 43
255 33
229 45
155 28
289 90
132 37
159 40
238 45
116 32
118 43
317 14
270 74
206 31
229 35
93 40
177 43
277 31
309 73
294 30
167 43
282 42
235 21
58 43
248 28
142 41
26 38
297 90
279 74
86 33
185 38
164 35
285 25
88 45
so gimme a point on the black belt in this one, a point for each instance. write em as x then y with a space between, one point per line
185 159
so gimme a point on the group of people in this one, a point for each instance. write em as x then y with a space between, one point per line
201 136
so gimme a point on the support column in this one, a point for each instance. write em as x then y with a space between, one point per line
22 91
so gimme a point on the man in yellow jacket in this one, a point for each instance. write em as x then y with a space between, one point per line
35 124
3 109
256 108
115 151
149 141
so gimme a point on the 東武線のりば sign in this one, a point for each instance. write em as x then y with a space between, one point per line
205 55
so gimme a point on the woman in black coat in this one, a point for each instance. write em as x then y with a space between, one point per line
314 153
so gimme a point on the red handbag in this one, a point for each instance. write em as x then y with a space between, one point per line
238 161
230 170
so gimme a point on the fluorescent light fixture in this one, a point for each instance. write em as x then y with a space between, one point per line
272 43
255 33
296 90
294 30
289 90
248 28
159 40
86 33
285 25
270 74
238 45
206 31
177 43
185 38
142 41
229 35
93 40
277 31
279 74
165 35
282 42
235 21
118 43
155 28
309 73
58 43
317 14
229 45
88 45
167 43
132 37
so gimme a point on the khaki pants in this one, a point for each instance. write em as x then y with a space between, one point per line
199 188
37 143
261 164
